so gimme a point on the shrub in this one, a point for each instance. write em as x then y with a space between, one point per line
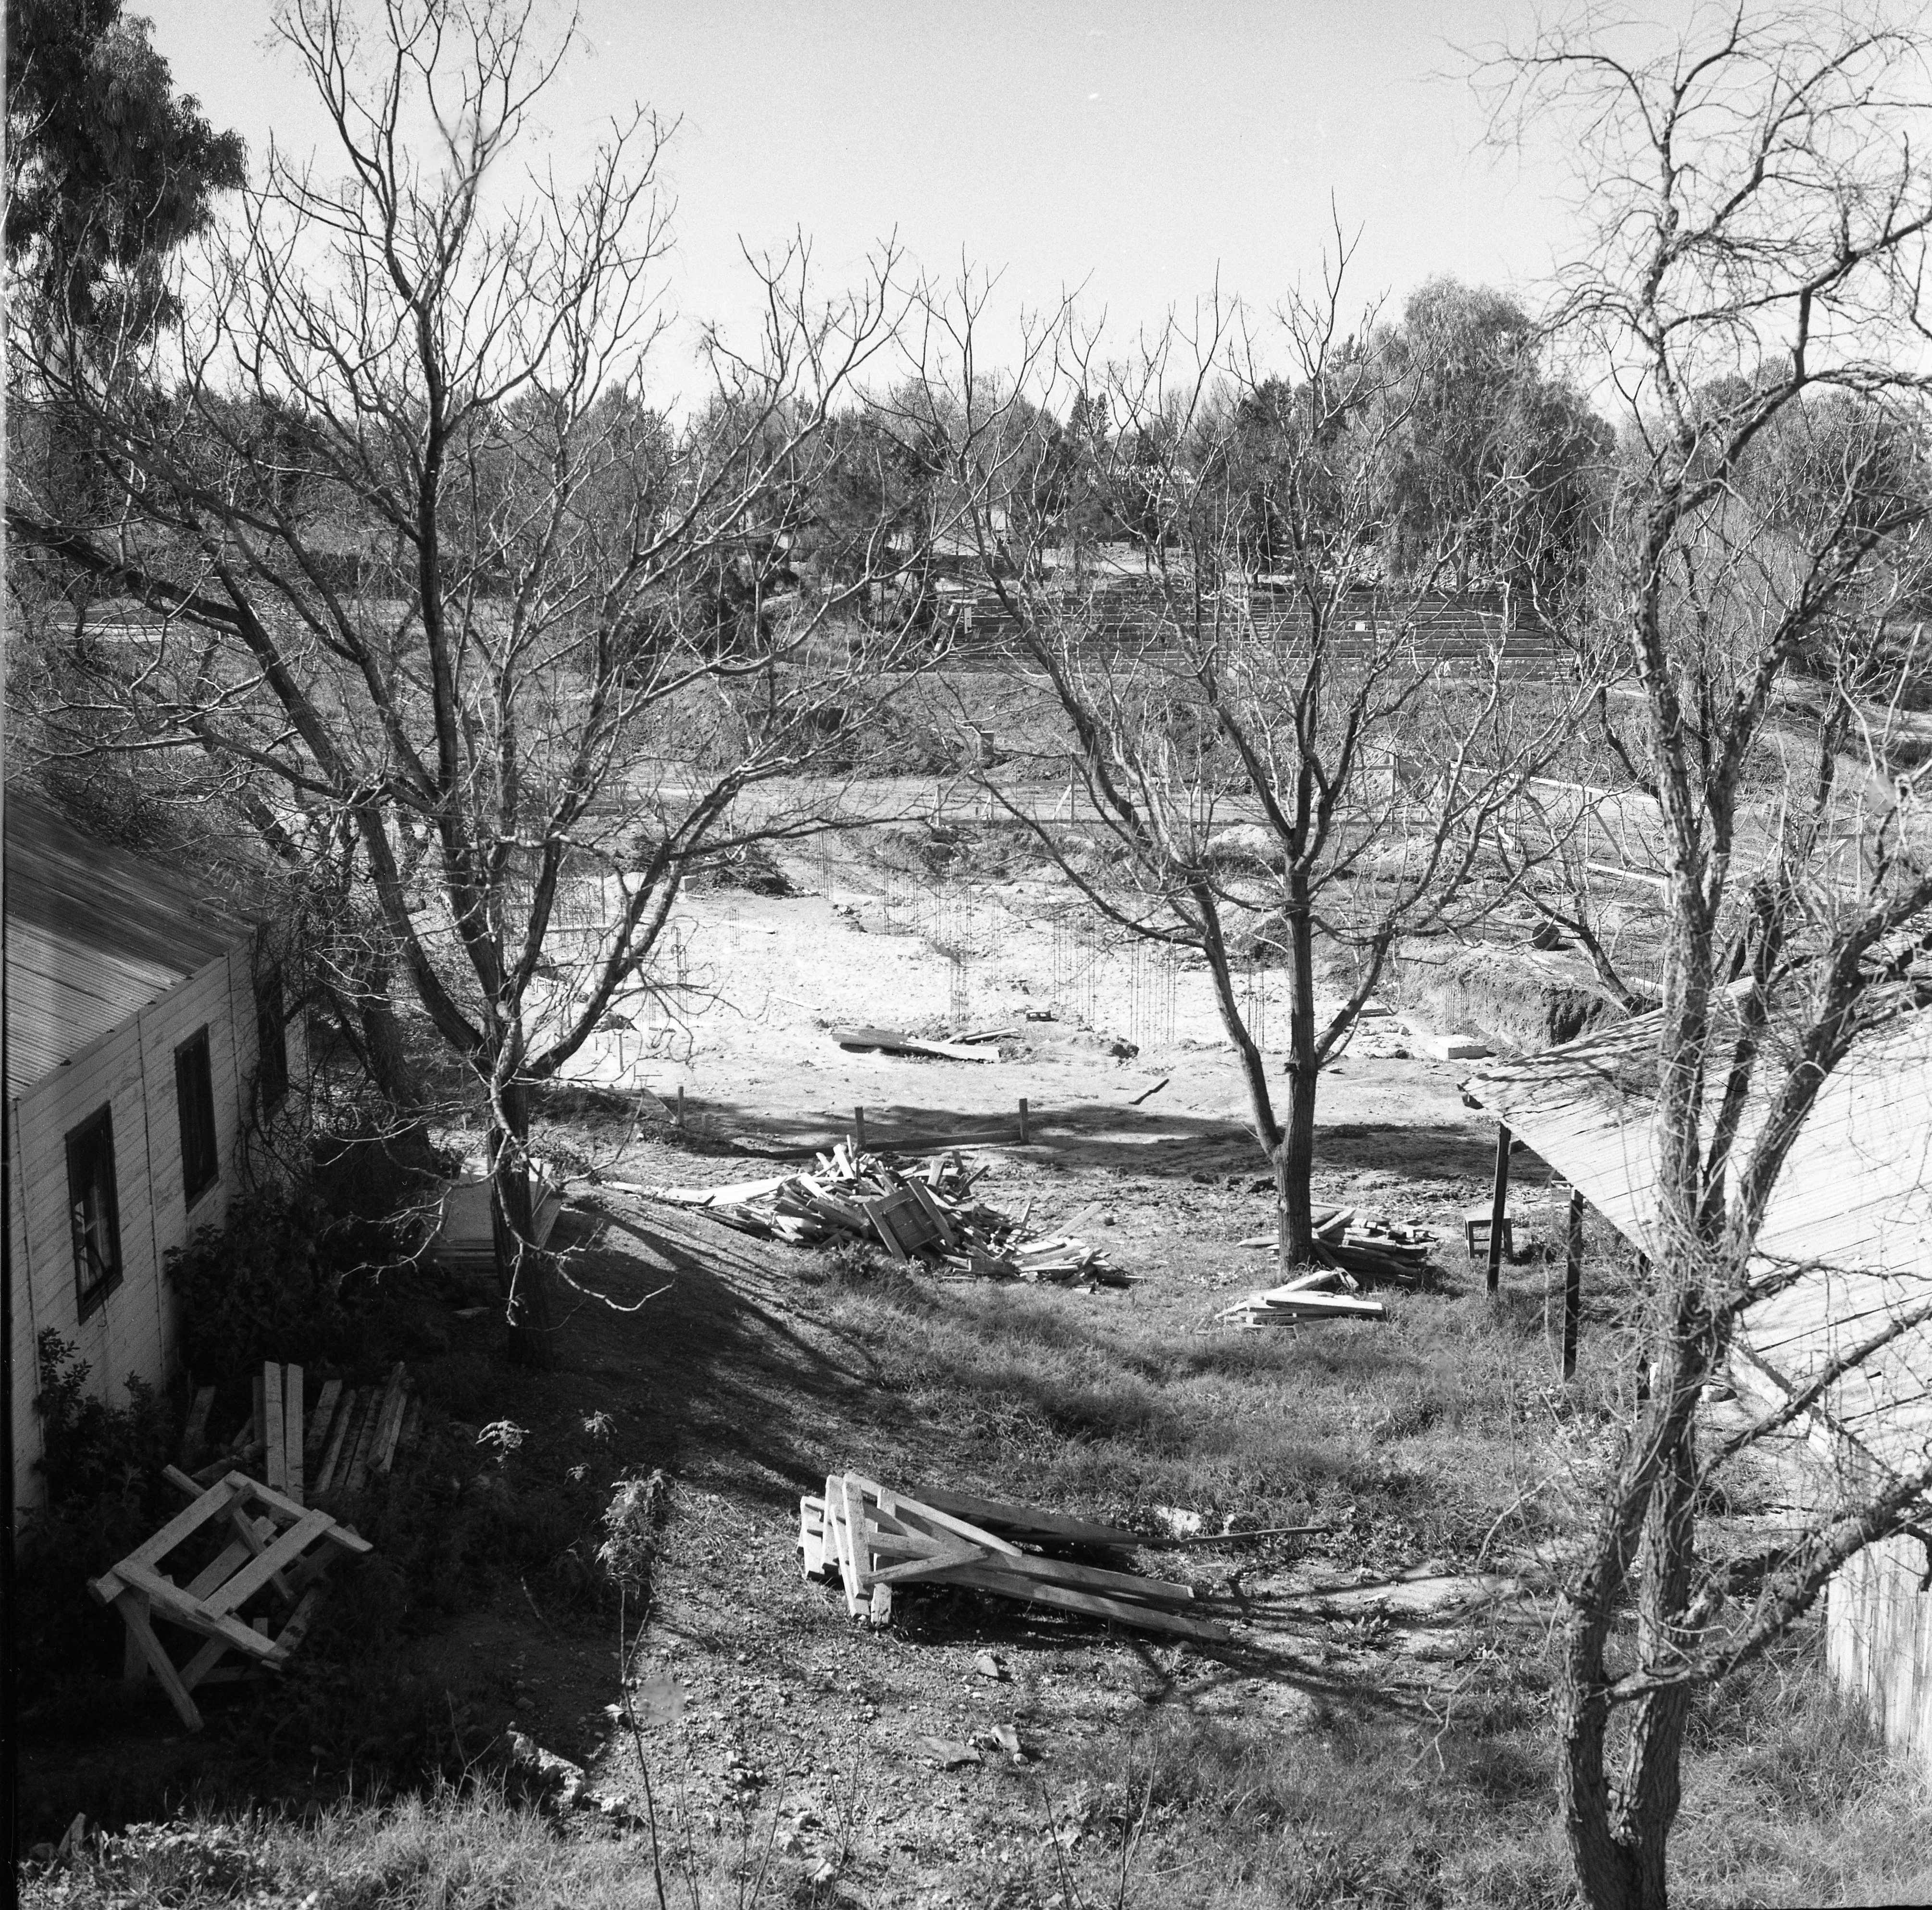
257 1288
101 1464
92 1450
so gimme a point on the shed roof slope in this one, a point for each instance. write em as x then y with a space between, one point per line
1851 1214
94 933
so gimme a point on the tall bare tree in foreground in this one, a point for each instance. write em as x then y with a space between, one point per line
443 579
1756 269
1280 744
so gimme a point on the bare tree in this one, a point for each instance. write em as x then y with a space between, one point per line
441 577
1759 217
1278 746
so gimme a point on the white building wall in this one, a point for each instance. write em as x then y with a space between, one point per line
1878 1641
131 1334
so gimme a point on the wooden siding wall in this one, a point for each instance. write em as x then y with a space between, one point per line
131 1335
1878 1641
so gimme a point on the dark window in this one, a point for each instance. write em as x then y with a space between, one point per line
272 1034
96 1216
194 1109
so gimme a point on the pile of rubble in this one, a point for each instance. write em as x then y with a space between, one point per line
928 1213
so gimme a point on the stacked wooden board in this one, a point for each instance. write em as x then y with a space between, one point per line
354 1432
1351 1243
927 1214
872 1540
347 1433
1295 1301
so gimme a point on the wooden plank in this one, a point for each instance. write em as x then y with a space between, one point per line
275 1461
286 1550
1306 1305
296 1629
216 1500
837 1530
1093 1577
365 1440
284 1511
315 1435
292 1431
170 1602
232 1557
200 1668
1146 1618
933 1212
134 1609
255 1535
355 1466
194 1435
996 1513
904 1506
811 1537
331 1459
853 1504
878 1213
925 1566
395 1402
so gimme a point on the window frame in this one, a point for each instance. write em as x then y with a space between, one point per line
95 1134
200 1139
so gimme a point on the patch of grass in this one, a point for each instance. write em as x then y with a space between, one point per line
1423 1433
1789 1797
454 1847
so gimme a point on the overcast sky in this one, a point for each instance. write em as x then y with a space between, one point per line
1141 149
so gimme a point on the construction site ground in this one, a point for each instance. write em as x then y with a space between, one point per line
1378 1732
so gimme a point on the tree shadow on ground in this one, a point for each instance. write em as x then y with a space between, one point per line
1104 1135
721 1370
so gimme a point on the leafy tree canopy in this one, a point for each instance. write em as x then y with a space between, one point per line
109 167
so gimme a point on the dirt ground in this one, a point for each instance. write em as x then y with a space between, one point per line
810 1739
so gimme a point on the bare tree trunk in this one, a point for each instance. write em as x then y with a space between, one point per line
1602 1864
522 1272
1653 1788
1294 1158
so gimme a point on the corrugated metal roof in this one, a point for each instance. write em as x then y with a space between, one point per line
1852 1208
94 933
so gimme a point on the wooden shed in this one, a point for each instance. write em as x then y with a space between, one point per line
1851 1217
149 1050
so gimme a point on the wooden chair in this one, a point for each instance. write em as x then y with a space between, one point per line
275 1558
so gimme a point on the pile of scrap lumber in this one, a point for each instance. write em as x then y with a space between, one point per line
1348 1243
1295 1302
345 1435
872 1540
928 1213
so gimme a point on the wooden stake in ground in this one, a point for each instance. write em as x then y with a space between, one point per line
1573 1283
1499 1207
1025 1137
